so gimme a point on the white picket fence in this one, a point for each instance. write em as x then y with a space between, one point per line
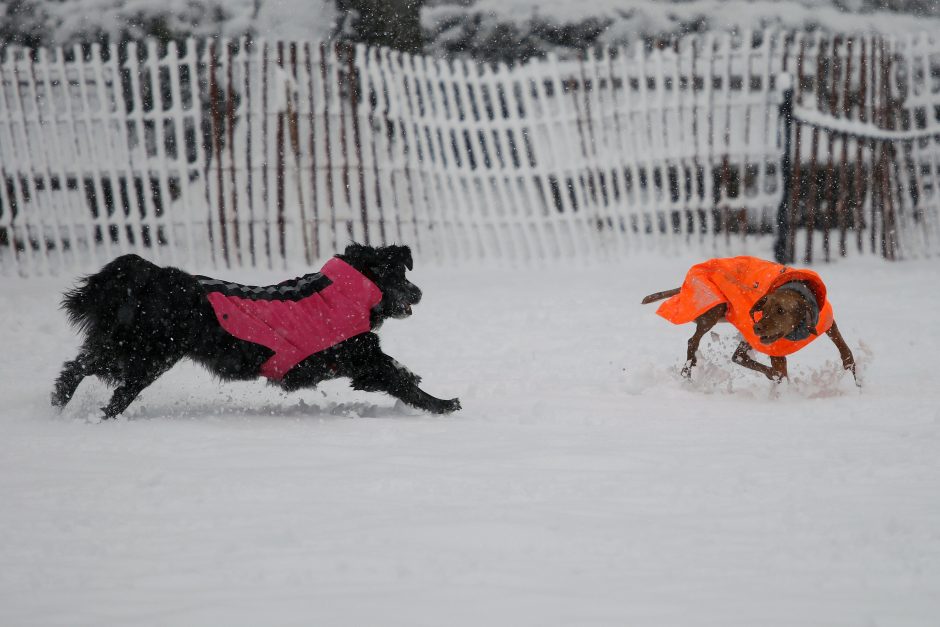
229 154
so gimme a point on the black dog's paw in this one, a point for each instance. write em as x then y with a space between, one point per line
62 391
447 407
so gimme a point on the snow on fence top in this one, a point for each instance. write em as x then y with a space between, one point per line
275 154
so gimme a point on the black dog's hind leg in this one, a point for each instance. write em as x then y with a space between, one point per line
71 376
386 375
131 386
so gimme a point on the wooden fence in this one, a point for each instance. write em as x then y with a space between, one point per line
230 153
865 128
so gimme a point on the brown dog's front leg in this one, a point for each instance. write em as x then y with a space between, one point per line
848 360
742 358
703 325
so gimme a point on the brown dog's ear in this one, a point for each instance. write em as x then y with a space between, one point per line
758 306
810 316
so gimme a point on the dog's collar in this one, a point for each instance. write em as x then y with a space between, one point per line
807 326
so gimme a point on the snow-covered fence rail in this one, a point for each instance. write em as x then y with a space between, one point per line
229 153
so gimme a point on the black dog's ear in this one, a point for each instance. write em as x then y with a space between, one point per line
402 255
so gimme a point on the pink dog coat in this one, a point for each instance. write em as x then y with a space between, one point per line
296 318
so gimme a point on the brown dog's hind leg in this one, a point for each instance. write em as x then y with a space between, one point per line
703 324
742 358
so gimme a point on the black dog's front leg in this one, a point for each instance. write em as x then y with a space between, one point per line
384 374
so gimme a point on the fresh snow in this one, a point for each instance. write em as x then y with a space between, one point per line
584 482
632 20
628 20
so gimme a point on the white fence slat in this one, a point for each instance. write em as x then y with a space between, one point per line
115 145
50 152
17 230
475 178
666 147
24 182
643 131
133 114
419 154
544 212
367 150
627 153
706 133
40 196
82 214
519 131
600 119
456 212
507 174
430 123
402 148
932 148
569 164
480 91
187 198
392 187
114 150
768 131
115 218
94 156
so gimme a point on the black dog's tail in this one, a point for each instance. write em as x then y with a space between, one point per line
652 298
102 299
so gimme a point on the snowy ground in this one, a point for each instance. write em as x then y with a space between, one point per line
584 483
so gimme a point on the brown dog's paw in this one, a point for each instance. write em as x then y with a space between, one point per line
849 364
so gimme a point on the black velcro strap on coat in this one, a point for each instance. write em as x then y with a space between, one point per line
294 289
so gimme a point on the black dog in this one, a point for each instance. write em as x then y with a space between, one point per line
139 319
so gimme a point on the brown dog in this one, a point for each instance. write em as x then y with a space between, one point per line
777 309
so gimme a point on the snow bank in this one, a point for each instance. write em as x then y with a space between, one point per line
584 482
500 30
68 21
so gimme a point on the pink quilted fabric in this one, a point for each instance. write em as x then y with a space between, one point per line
297 328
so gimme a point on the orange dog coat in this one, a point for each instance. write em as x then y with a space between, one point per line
740 282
